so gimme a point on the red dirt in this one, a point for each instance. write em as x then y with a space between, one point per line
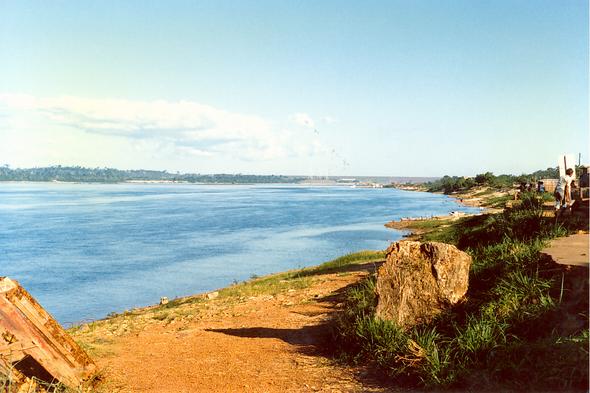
260 344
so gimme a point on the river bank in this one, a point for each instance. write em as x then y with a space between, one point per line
100 244
276 333
489 201
268 334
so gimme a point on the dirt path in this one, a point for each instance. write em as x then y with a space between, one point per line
571 250
263 343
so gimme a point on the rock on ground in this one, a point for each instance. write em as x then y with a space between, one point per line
419 280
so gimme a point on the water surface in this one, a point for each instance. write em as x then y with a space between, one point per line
86 250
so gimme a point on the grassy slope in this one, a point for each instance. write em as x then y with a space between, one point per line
523 325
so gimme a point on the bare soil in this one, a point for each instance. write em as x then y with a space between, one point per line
570 250
265 343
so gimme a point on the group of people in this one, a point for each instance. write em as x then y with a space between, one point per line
528 187
563 190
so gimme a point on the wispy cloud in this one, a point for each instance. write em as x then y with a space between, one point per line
194 129
303 119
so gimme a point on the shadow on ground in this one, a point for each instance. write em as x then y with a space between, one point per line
316 340
311 338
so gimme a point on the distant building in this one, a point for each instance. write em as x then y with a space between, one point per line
550 184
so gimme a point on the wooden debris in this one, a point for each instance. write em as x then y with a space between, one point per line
33 344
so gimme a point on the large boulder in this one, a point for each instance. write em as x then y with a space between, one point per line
419 280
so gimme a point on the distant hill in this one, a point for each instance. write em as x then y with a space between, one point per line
111 175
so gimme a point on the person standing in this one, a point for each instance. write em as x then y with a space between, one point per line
563 191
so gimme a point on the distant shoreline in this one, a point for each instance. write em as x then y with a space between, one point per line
184 182
147 182
71 174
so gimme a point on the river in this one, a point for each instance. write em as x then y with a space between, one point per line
85 250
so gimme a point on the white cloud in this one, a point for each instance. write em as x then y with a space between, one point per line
303 119
191 151
192 128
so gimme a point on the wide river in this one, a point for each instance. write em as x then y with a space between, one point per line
85 250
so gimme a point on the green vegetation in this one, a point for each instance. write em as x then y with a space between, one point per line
268 285
110 175
523 325
449 184
340 264
297 279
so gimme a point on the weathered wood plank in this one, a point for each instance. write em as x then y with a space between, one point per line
28 331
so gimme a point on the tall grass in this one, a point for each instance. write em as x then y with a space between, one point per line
507 335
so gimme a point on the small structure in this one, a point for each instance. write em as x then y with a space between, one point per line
550 185
34 345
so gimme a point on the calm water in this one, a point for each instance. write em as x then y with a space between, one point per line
86 250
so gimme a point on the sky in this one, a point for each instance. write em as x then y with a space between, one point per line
389 88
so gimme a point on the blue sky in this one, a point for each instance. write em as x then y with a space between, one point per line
418 88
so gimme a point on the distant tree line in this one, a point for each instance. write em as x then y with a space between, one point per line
449 184
110 175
